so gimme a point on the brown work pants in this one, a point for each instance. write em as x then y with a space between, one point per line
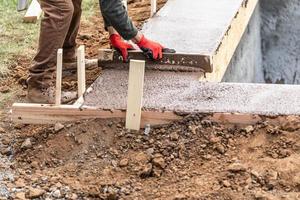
59 29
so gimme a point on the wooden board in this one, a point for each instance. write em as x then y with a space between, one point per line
81 70
51 114
33 13
135 94
58 77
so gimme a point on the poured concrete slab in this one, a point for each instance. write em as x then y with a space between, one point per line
211 29
182 92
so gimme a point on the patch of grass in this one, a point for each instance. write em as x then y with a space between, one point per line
18 38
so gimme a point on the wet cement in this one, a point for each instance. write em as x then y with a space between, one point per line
192 26
182 92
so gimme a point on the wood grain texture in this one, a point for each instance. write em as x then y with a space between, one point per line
135 94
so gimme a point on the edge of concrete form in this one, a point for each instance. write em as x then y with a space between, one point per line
218 27
165 96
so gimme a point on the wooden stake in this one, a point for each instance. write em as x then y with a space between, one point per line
58 77
125 3
33 13
135 94
81 70
153 7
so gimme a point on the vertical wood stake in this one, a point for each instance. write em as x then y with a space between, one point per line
125 3
153 7
81 70
58 77
135 94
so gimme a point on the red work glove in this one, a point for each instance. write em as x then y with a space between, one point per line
152 50
120 45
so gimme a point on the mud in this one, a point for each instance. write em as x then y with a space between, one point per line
183 92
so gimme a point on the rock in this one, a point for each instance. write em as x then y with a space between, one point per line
226 183
56 194
35 193
4 89
58 127
214 139
150 151
6 151
124 162
159 162
236 167
220 148
174 136
20 196
26 144
20 183
2 130
249 129
146 171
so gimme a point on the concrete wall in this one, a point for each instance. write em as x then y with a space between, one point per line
246 65
280 31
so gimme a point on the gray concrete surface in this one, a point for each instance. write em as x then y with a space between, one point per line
192 26
246 64
183 92
280 31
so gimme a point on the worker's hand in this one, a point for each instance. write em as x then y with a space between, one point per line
152 50
120 45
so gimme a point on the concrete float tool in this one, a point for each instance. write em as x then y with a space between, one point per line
171 61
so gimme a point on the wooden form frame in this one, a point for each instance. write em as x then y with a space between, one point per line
33 13
224 53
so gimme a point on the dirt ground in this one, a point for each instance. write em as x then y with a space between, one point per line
191 159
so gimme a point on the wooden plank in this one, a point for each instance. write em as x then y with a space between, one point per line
224 53
153 8
81 70
50 114
33 13
135 94
58 77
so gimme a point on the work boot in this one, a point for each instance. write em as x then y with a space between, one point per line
46 95
71 64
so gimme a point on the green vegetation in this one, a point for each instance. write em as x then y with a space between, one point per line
20 39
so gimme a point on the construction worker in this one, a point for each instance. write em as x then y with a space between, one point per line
59 29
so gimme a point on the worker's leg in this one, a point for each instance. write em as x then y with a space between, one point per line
70 40
54 28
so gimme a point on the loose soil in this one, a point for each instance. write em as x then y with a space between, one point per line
191 159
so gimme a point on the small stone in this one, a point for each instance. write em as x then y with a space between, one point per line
226 183
6 151
159 162
150 151
174 136
214 139
35 193
249 129
26 144
146 171
20 196
20 183
56 194
123 163
236 167
4 89
220 148
58 127
2 130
